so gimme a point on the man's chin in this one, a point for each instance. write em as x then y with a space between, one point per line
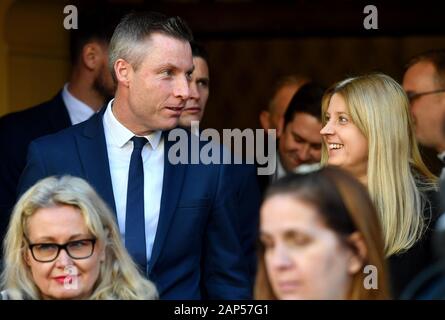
168 124
289 167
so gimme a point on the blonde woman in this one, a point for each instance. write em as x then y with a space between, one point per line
368 132
63 243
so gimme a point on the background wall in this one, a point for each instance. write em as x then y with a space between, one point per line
4 99
37 52
243 70
250 46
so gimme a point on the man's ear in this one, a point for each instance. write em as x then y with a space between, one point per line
123 71
92 55
359 252
265 119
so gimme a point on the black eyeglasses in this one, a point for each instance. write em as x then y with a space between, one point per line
413 95
48 252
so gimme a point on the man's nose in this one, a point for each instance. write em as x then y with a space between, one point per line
304 152
182 88
194 92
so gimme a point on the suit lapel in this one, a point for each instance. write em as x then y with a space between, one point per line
171 190
94 157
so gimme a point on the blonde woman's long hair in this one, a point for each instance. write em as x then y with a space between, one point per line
398 179
119 277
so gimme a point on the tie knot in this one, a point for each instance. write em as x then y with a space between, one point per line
138 142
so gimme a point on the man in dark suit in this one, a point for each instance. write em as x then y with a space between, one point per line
180 222
194 111
271 117
89 87
299 143
199 87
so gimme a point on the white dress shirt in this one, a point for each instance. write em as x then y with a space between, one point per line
77 110
441 157
302 168
279 170
120 147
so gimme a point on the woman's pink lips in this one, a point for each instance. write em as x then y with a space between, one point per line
62 279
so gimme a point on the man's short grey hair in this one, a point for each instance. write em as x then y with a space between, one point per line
128 38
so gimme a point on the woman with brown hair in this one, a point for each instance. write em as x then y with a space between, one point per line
320 239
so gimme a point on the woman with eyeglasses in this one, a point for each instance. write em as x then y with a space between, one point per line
63 243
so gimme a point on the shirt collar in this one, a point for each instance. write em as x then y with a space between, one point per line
441 156
77 109
120 135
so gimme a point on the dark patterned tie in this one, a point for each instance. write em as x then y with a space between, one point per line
134 221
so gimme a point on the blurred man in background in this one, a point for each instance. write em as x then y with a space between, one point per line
199 87
283 93
299 145
89 87
424 83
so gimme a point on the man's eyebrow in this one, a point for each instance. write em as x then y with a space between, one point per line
296 135
171 66
167 65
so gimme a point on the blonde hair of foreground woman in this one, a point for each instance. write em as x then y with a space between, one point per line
118 277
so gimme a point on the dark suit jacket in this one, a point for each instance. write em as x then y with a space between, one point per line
198 251
17 130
